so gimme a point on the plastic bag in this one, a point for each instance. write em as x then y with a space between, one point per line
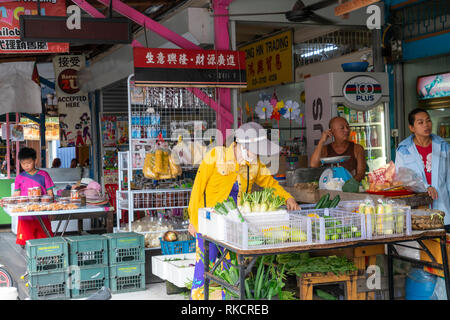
439 292
382 178
182 153
410 180
149 164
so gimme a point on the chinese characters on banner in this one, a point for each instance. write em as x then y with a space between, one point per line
188 68
73 104
10 27
269 61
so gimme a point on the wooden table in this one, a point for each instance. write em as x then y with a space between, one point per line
87 212
239 288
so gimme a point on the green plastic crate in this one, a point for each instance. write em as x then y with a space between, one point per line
88 280
88 251
49 286
127 277
47 255
126 248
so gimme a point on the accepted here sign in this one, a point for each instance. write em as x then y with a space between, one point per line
189 68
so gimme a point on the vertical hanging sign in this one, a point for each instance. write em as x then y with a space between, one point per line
73 104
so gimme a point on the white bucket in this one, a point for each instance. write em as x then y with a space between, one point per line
8 293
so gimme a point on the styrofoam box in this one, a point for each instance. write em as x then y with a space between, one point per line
176 272
211 224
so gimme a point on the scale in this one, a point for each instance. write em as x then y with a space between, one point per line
335 171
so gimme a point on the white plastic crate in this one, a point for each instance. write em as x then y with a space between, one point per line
388 225
266 232
177 272
211 224
334 225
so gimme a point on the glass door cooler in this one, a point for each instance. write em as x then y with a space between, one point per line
362 98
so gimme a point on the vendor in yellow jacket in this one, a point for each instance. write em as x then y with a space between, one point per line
230 172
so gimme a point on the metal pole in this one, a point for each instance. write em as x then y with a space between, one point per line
443 241
241 277
206 269
17 148
8 151
234 92
377 54
390 272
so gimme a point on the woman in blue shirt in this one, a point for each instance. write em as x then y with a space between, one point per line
429 156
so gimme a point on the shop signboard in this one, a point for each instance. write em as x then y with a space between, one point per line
362 91
73 105
189 68
15 132
10 31
269 61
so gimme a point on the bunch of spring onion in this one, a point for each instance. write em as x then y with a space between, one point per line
261 201
228 208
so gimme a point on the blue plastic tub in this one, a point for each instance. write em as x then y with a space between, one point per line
419 285
355 66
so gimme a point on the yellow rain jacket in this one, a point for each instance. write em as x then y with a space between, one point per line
217 174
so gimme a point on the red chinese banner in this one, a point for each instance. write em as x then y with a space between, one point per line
10 27
188 68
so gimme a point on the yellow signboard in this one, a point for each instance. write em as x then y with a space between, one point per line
269 61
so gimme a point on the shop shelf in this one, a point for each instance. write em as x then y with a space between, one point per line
88 250
127 277
334 225
176 247
156 199
48 254
88 280
125 247
49 286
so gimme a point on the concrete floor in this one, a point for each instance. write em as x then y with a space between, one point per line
14 258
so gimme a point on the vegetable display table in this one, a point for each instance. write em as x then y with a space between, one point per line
87 212
239 288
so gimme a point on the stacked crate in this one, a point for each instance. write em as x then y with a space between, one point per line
126 261
89 269
47 268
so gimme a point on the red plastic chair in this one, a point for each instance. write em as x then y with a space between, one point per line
111 190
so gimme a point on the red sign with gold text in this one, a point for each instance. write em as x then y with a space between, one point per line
10 27
180 67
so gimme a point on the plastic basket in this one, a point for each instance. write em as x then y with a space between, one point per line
125 248
89 250
178 272
127 278
49 286
388 225
177 247
86 281
260 232
47 255
334 225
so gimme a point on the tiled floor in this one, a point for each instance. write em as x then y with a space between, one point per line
14 258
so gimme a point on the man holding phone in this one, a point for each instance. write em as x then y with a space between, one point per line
339 129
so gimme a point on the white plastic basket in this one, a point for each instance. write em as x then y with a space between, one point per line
211 224
388 225
266 232
333 225
177 272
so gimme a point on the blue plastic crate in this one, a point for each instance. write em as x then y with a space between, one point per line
176 247
88 251
88 280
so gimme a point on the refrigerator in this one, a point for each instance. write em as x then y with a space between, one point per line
360 97
433 94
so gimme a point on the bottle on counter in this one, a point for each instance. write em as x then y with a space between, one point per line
374 137
353 136
362 137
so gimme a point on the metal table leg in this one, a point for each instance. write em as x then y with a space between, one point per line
65 225
390 272
443 242
206 269
242 275
43 226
